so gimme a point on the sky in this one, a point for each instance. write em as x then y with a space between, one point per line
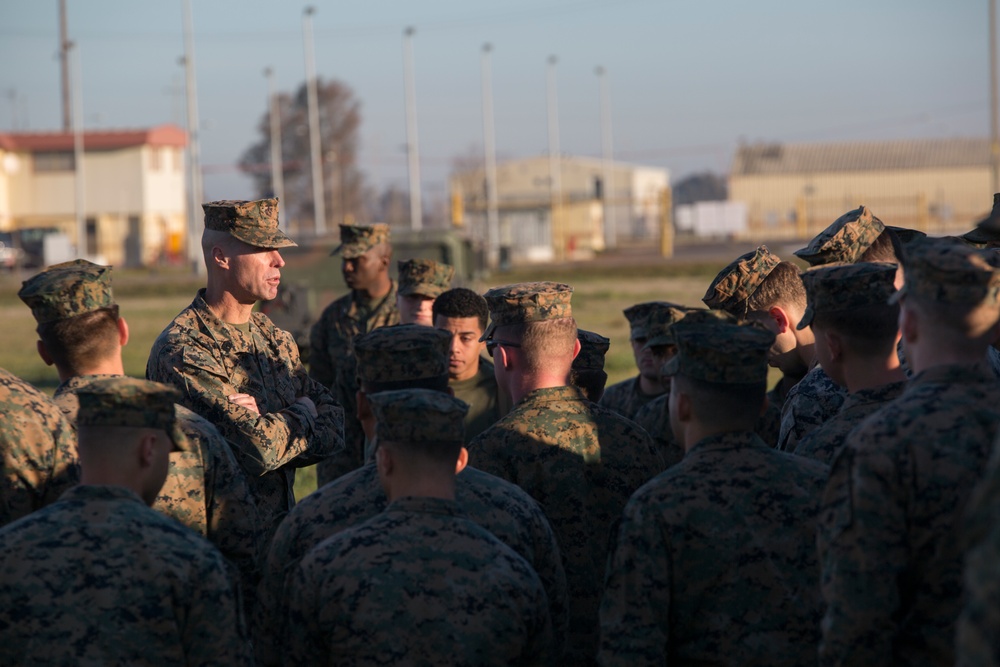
689 79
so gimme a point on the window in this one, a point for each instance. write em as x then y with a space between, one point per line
46 162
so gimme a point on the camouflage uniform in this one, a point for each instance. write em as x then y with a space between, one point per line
579 460
845 240
98 578
331 346
736 283
888 537
38 449
209 360
424 277
810 404
714 560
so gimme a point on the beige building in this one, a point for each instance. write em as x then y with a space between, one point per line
133 190
940 186
591 213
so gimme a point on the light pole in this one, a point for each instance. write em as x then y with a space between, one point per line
315 157
994 132
412 150
194 146
489 150
610 230
79 191
555 168
277 163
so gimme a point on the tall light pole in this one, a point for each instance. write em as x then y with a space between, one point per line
79 182
315 156
994 132
194 146
490 156
555 168
277 164
412 150
610 227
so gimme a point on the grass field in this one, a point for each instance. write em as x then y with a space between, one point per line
149 300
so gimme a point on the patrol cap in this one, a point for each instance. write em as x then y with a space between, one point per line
740 279
402 353
720 352
660 324
424 277
639 314
691 316
593 348
837 287
125 401
946 271
356 240
907 236
419 416
527 302
845 240
67 290
253 222
987 229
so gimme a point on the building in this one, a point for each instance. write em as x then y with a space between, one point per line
133 191
941 186
589 215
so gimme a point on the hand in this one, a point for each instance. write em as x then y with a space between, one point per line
308 402
245 401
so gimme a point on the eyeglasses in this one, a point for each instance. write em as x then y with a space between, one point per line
493 343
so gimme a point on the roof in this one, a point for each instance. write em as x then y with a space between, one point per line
860 156
42 142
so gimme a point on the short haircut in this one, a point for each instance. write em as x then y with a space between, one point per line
462 302
590 381
541 341
868 331
439 383
76 343
958 324
732 406
782 286
885 248
439 453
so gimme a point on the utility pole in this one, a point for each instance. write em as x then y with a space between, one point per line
315 156
489 150
610 226
994 131
194 147
555 167
79 181
64 47
412 150
277 162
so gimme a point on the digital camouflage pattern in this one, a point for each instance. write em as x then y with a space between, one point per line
498 506
581 462
593 348
945 271
356 240
418 584
332 364
404 352
67 290
891 518
715 562
253 222
416 416
639 314
116 400
840 287
424 277
98 578
205 490
845 240
654 418
720 352
660 325
210 360
38 447
987 230
813 401
527 302
626 398
829 438
737 282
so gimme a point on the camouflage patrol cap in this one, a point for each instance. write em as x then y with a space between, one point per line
837 287
402 353
907 236
946 271
527 302
845 240
125 401
593 348
67 290
356 240
659 326
424 277
416 416
720 352
638 316
691 316
740 279
253 222
988 229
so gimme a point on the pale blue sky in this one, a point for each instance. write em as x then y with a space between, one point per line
689 78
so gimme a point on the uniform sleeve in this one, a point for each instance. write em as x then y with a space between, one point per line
214 630
547 562
321 366
635 608
862 549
